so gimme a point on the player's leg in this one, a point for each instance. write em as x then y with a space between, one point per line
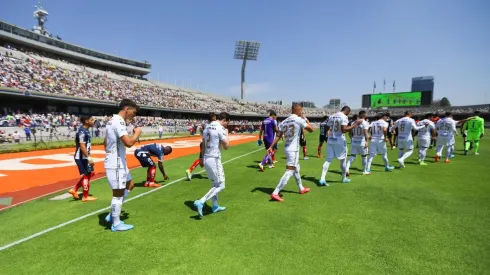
267 158
194 165
372 152
297 178
303 144
274 151
150 176
218 186
341 154
117 181
409 150
448 152
320 145
326 164
86 182
384 152
291 160
82 171
390 139
350 161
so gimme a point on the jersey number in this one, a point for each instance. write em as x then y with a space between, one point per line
208 140
402 127
377 129
358 131
290 131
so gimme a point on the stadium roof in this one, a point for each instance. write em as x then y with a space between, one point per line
23 37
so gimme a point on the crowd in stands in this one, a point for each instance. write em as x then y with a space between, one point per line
27 70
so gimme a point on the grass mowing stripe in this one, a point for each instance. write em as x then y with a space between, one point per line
107 208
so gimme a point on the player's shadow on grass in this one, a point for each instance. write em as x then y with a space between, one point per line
269 190
79 195
206 209
198 176
103 223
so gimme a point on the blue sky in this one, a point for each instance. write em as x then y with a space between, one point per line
310 50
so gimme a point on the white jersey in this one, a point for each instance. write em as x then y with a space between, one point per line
358 133
446 128
212 136
405 126
335 123
425 133
292 127
377 130
115 154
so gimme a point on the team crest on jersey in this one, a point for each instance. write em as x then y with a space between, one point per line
122 123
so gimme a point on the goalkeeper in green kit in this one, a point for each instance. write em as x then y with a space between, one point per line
476 128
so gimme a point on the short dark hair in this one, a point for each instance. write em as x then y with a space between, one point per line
345 108
128 103
272 113
325 117
408 113
361 113
211 116
224 116
429 115
169 149
377 117
354 117
84 118
448 114
387 114
477 113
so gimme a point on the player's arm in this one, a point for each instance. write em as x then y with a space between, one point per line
123 134
276 140
83 147
261 131
346 128
160 166
416 127
307 126
366 136
223 139
385 131
482 129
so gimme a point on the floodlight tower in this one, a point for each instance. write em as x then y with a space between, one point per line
246 50
42 16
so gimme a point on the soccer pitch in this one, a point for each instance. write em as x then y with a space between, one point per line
431 219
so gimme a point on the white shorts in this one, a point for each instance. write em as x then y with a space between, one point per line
358 148
445 141
338 151
292 158
405 144
424 142
214 170
117 178
377 147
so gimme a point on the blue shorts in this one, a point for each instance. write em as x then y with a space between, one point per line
84 168
144 158
267 144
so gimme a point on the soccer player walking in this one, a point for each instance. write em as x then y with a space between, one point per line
405 125
291 128
337 144
424 136
144 154
215 137
269 129
359 145
476 130
323 135
379 128
116 141
83 160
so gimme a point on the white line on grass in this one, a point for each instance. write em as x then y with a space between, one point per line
107 208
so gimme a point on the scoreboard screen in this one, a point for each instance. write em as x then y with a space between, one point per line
396 100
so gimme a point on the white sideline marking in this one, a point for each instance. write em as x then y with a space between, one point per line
61 197
107 208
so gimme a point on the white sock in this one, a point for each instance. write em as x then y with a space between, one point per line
284 180
364 163
422 154
326 164
116 207
370 161
407 154
385 160
400 153
214 199
213 192
343 167
297 177
448 152
439 150
351 160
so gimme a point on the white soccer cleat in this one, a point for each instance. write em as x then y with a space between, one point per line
402 164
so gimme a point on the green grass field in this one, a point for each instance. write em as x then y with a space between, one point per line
420 220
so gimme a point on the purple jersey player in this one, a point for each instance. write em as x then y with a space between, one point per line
269 129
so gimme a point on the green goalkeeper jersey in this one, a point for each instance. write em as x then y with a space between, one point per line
476 125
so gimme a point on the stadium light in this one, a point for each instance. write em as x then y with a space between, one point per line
246 50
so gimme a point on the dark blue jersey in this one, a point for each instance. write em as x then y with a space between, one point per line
154 149
323 128
82 136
